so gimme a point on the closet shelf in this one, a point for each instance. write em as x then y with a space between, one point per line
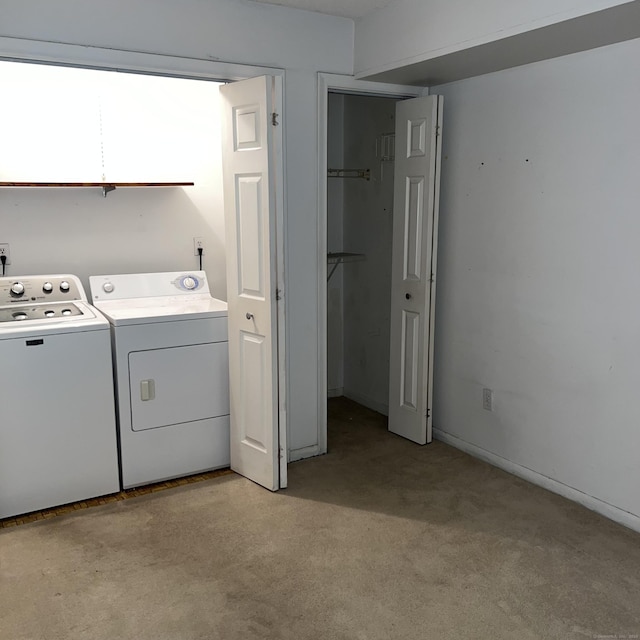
343 256
106 186
339 257
349 173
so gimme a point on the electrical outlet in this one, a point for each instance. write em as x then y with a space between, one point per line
4 251
198 243
487 399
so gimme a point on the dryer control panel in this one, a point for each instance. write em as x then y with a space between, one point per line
189 282
149 285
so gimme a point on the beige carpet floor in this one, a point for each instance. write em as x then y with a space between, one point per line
380 539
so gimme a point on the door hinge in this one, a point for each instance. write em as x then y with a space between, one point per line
274 119
278 294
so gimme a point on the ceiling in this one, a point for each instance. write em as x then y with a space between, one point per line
345 8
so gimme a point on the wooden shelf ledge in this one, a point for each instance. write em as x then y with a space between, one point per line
106 186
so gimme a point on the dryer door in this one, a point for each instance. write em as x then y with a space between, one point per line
178 385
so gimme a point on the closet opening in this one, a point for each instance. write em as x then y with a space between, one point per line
360 194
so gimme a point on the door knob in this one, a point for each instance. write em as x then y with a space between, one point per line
249 316
407 296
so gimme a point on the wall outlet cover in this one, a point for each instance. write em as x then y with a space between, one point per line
4 251
487 399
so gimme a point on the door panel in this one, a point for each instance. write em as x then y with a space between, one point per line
250 225
254 394
417 137
409 372
414 266
246 128
250 220
414 206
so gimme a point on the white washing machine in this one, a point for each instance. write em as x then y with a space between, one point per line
171 358
57 417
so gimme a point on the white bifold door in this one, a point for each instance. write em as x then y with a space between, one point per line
252 158
413 276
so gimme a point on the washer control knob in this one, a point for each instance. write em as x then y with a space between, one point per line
47 287
64 286
66 312
17 289
189 283
107 287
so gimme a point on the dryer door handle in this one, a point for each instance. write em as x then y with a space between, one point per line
147 390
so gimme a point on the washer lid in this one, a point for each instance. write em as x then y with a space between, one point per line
37 323
162 309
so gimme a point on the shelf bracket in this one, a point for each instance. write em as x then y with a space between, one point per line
106 188
340 257
335 266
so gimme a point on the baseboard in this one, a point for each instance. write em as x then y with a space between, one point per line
335 393
380 407
305 452
625 518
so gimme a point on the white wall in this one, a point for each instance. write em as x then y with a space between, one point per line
218 30
408 31
236 31
538 272
146 128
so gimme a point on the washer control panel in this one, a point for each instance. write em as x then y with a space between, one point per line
27 289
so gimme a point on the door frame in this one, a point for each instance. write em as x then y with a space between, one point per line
334 83
97 58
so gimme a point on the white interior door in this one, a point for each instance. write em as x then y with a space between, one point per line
249 172
413 273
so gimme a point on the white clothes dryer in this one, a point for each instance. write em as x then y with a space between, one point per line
57 416
171 365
